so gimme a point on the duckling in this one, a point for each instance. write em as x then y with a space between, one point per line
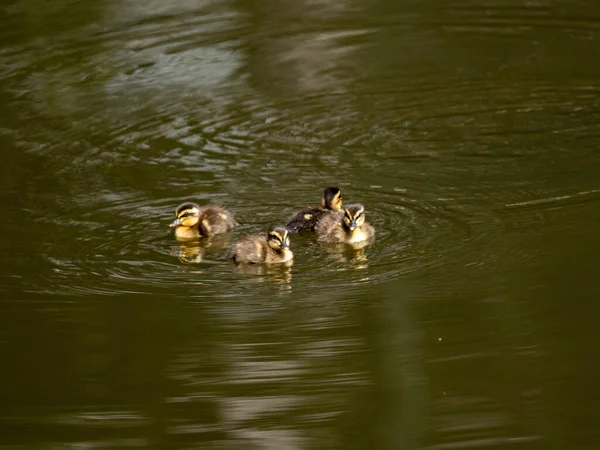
271 248
347 226
307 218
194 221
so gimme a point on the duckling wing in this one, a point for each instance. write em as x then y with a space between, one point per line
330 228
305 220
369 230
216 220
249 250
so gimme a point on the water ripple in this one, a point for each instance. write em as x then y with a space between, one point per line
182 111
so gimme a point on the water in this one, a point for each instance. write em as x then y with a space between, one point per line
470 132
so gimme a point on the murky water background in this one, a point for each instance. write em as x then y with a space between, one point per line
470 130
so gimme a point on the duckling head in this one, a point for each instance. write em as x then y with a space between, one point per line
278 239
188 215
332 199
354 216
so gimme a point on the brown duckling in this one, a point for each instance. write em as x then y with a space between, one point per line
270 248
194 221
307 218
346 226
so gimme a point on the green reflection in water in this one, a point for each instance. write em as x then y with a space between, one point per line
469 132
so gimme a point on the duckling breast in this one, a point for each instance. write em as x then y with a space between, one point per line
186 233
362 233
286 255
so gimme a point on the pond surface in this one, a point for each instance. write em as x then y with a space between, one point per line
469 130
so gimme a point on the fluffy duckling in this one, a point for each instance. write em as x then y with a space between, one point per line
194 221
346 226
307 218
271 248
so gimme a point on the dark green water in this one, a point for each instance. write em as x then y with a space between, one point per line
471 132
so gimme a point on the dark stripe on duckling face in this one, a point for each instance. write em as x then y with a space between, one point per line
354 216
187 215
278 238
184 207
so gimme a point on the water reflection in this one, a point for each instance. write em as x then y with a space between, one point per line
294 60
477 159
193 251
279 271
353 254
278 274
188 253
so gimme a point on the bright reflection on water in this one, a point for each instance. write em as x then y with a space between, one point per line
469 131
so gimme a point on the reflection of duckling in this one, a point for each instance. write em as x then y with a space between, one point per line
191 254
194 221
266 249
348 226
353 253
278 273
307 218
193 251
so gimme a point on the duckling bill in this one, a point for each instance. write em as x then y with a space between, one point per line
270 248
194 221
347 226
307 218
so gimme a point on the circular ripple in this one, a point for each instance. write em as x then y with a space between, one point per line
144 126
125 246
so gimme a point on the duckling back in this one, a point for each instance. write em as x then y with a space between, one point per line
249 250
215 220
306 219
330 227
